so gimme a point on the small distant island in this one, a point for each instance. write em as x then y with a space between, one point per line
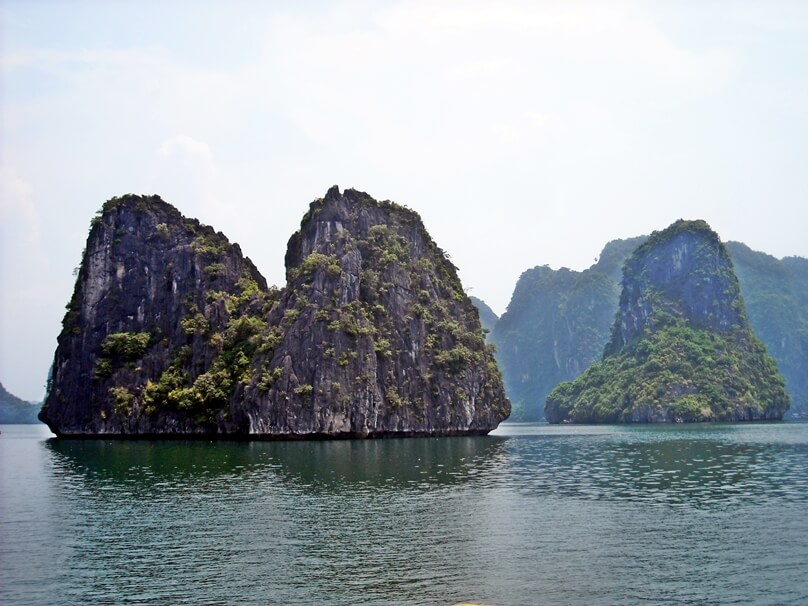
681 347
14 410
171 331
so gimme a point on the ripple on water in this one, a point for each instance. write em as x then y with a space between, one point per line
677 466
536 514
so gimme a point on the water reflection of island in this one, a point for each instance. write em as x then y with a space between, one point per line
387 463
331 465
394 519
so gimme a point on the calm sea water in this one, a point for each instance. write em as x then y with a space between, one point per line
708 514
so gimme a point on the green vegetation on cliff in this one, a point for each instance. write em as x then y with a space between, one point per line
556 325
376 333
679 374
776 296
681 347
158 328
554 328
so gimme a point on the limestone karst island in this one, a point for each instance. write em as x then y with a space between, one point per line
171 331
559 321
681 346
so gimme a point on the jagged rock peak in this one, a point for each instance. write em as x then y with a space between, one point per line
683 271
374 333
153 290
354 211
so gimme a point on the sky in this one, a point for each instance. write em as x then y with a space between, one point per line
524 133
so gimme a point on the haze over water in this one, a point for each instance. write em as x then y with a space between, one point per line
535 514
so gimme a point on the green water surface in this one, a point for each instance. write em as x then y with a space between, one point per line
534 514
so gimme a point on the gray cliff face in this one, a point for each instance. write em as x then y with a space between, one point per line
688 274
171 331
373 334
140 305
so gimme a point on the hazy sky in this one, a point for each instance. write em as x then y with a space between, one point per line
524 133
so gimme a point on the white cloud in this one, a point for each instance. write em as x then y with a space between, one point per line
436 19
25 290
455 75
15 192
183 146
18 211
186 174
